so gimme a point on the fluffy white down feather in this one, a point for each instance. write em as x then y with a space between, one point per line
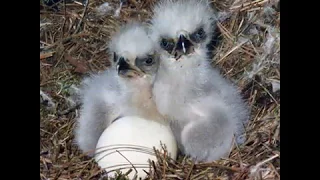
205 109
106 96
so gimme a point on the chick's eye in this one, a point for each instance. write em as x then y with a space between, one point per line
199 35
165 44
149 61
200 32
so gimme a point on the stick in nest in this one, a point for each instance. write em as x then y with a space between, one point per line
83 15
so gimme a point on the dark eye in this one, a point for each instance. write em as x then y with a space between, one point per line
200 32
166 45
199 35
149 61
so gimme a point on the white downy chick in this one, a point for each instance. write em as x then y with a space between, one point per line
122 90
205 110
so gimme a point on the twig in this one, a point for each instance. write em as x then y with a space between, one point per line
233 49
83 15
44 24
219 166
255 168
65 40
191 168
127 159
268 92
69 110
247 5
46 55
65 16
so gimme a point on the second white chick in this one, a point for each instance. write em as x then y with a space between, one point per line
122 90
205 110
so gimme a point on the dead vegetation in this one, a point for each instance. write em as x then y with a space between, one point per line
73 42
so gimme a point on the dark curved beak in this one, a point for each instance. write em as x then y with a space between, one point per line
184 46
127 70
122 66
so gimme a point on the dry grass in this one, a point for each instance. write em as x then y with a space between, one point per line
72 45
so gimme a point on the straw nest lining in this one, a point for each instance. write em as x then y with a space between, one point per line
73 43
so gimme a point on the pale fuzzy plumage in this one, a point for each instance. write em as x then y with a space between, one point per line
172 16
205 109
132 40
106 96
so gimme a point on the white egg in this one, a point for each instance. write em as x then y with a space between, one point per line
129 142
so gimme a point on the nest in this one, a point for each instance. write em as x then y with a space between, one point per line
73 38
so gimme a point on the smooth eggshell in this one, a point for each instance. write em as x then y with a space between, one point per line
132 139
